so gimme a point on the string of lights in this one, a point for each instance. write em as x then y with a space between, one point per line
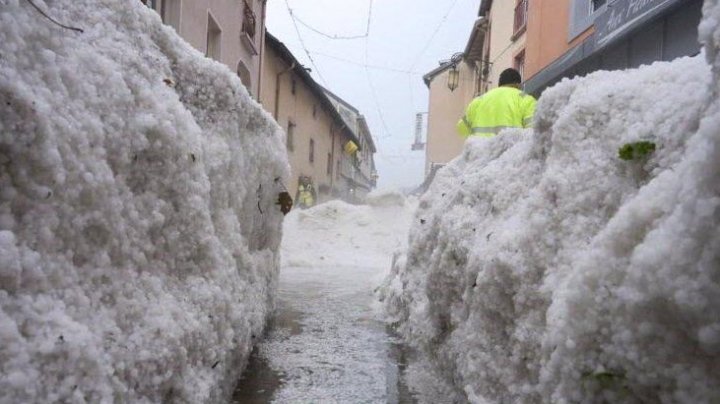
390 69
364 65
373 92
432 37
410 73
335 36
302 43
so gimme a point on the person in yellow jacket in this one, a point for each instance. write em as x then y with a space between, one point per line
504 107
306 193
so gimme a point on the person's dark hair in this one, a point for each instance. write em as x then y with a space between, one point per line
510 76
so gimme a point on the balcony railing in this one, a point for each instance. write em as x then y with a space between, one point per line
521 15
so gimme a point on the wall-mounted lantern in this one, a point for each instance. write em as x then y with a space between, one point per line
454 73
453 78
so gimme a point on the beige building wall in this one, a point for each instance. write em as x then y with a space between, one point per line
445 108
501 43
311 121
193 19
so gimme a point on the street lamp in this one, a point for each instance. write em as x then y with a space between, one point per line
454 73
453 78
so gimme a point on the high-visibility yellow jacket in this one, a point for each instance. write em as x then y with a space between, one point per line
305 196
498 109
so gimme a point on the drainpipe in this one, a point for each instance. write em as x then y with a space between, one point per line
277 88
262 52
332 158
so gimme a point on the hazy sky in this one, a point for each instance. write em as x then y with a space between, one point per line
406 39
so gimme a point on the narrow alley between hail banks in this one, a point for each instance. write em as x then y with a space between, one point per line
326 343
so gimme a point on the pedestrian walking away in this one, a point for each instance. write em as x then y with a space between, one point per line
504 107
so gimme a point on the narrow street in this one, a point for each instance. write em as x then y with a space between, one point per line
326 343
411 201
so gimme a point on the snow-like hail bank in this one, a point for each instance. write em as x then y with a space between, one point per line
542 267
138 233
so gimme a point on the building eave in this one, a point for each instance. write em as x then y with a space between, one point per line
474 48
429 76
340 100
371 142
314 87
485 5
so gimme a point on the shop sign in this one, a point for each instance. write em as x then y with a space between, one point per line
620 15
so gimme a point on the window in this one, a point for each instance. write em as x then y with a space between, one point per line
596 4
329 165
315 111
293 86
312 151
290 134
337 169
519 62
214 35
248 25
582 16
521 14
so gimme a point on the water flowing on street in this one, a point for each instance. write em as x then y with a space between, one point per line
326 342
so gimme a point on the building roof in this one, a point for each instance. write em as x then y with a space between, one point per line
474 48
429 76
485 5
316 89
360 119
340 100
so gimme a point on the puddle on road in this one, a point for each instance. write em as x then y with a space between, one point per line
398 391
260 381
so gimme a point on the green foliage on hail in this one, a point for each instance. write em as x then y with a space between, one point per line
636 150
